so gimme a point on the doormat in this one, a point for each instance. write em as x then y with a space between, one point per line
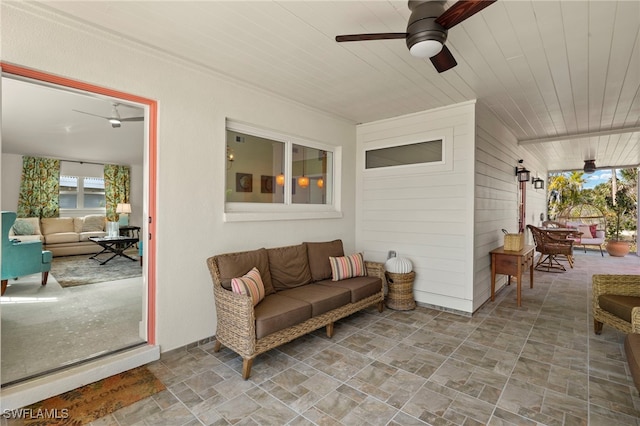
93 401
70 271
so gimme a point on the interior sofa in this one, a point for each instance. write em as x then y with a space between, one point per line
63 236
299 289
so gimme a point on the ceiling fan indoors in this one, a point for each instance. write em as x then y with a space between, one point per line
114 119
427 29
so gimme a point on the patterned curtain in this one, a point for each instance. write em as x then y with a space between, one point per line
116 188
39 188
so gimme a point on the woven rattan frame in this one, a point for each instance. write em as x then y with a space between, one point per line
623 285
236 321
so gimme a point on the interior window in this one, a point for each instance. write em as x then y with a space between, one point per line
277 170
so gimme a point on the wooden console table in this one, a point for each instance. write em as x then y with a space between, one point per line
511 263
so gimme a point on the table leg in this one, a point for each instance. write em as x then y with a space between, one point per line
493 276
519 290
531 273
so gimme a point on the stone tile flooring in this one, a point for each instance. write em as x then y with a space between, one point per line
540 364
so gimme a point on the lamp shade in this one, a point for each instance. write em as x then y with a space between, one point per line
123 208
589 166
280 179
303 181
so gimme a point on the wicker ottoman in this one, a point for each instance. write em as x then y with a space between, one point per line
400 295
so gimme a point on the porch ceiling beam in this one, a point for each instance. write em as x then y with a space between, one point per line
579 136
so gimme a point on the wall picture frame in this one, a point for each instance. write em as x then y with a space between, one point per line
267 184
244 182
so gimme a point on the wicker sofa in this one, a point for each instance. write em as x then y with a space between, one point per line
616 302
300 296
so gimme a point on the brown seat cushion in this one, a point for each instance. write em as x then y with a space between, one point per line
618 305
322 298
233 265
289 266
632 350
277 312
360 287
319 253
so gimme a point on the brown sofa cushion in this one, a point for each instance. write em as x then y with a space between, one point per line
360 287
232 265
322 298
319 253
632 350
289 266
618 305
277 312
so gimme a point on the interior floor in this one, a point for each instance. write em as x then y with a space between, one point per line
540 364
47 327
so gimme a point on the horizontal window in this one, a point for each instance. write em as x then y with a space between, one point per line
78 192
277 175
415 153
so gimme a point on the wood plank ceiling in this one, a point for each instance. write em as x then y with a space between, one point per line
563 76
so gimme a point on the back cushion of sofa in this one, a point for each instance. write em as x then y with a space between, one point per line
289 266
93 223
318 253
54 225
233 265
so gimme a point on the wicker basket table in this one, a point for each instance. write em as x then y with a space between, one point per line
400 295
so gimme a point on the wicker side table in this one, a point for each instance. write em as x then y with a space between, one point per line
400 294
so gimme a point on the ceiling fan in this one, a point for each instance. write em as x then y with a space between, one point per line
427 29
115 118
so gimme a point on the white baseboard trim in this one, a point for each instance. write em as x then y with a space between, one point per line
22 394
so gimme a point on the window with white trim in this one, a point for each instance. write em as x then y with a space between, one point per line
270 175
81 192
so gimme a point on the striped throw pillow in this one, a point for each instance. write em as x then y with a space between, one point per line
347 267
250 284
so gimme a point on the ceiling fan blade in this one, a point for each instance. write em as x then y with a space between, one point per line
132 119
377 36
88 113
444 60
462 10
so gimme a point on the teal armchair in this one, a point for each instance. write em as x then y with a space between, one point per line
21 258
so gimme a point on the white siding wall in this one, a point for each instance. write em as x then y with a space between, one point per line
423 212
496 196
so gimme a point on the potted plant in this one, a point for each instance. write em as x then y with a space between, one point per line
623 203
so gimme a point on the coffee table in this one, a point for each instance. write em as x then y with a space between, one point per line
115 245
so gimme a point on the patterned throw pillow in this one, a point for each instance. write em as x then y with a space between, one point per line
21 227
347 267
586 232
250 284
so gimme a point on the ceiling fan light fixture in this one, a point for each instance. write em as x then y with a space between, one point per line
114 121
425 49
589 166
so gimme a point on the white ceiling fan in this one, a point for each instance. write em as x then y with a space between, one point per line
114 119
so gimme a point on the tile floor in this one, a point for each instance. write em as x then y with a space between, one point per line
540 364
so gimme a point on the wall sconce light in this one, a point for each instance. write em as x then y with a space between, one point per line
522 173
280 179
230 157
537 183
320 183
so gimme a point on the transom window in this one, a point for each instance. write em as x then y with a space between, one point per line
401 155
